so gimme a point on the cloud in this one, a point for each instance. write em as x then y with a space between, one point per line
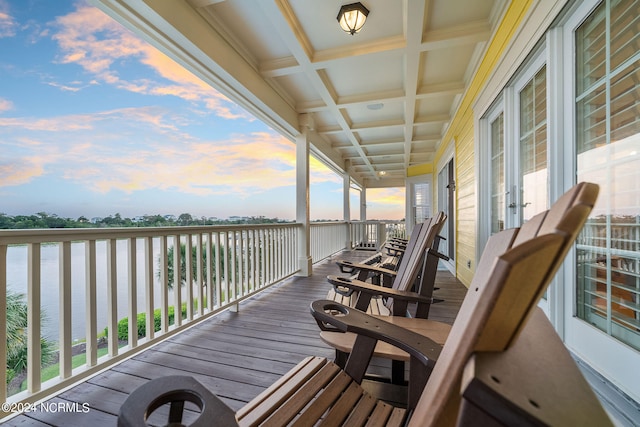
19 172
8 24
240 167
108 51
5 105
134 149
387 196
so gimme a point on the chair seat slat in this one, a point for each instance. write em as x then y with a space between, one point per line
361 411
343 407
261 406
304 394
324 400
378 417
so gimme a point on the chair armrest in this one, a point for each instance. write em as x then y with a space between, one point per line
351 268
396 250
354 285
346 319
438 254
175 389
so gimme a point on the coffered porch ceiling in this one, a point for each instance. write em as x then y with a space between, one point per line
376 103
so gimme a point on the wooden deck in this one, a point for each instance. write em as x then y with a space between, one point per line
236 355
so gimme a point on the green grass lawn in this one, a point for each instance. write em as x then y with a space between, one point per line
53 371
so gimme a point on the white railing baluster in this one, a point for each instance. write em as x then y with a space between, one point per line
188 272
234 266
278 248
219 268
177 281
255 260
268 255
66 339
3 321
112 296
132 269
241 264
91 304
34 350
199 274
164 285
148 285
224 237
210 267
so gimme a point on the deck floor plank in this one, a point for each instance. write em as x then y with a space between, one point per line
234 354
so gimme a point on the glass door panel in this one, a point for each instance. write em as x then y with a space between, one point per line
498 207
608 153
533 173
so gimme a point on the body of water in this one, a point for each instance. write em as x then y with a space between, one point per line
50 272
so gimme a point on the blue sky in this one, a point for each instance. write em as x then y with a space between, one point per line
94 121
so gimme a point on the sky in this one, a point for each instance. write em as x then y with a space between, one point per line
95 121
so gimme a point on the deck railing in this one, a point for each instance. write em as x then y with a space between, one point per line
79 283
327 238
126 272
373 234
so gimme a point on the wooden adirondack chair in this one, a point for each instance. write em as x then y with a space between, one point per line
541 223
496 368
418 267
364 270
358 270
379 259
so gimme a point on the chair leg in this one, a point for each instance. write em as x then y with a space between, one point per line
341 359
397 372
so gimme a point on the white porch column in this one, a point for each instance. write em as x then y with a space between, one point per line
346 204
302 196
363 204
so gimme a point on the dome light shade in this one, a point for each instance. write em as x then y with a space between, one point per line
352 16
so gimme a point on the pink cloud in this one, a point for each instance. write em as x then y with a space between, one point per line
100 45
21 172
8 25
5 105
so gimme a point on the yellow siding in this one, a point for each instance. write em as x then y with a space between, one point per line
420 169
462 132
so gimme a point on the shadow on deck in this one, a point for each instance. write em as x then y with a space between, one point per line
235 355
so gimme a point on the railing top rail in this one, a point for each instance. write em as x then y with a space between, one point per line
328 223
378 221
46 235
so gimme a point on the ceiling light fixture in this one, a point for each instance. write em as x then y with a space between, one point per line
352 16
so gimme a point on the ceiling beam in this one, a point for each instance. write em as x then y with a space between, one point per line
281 15
472 33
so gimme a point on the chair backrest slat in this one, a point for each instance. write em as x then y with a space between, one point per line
408 272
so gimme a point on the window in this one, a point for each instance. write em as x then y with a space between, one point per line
422 201
607 109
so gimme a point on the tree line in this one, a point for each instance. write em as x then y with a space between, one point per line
47 220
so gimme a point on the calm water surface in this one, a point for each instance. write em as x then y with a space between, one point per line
17 280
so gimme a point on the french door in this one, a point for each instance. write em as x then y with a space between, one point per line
518 164
582 85
446 204
518 145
